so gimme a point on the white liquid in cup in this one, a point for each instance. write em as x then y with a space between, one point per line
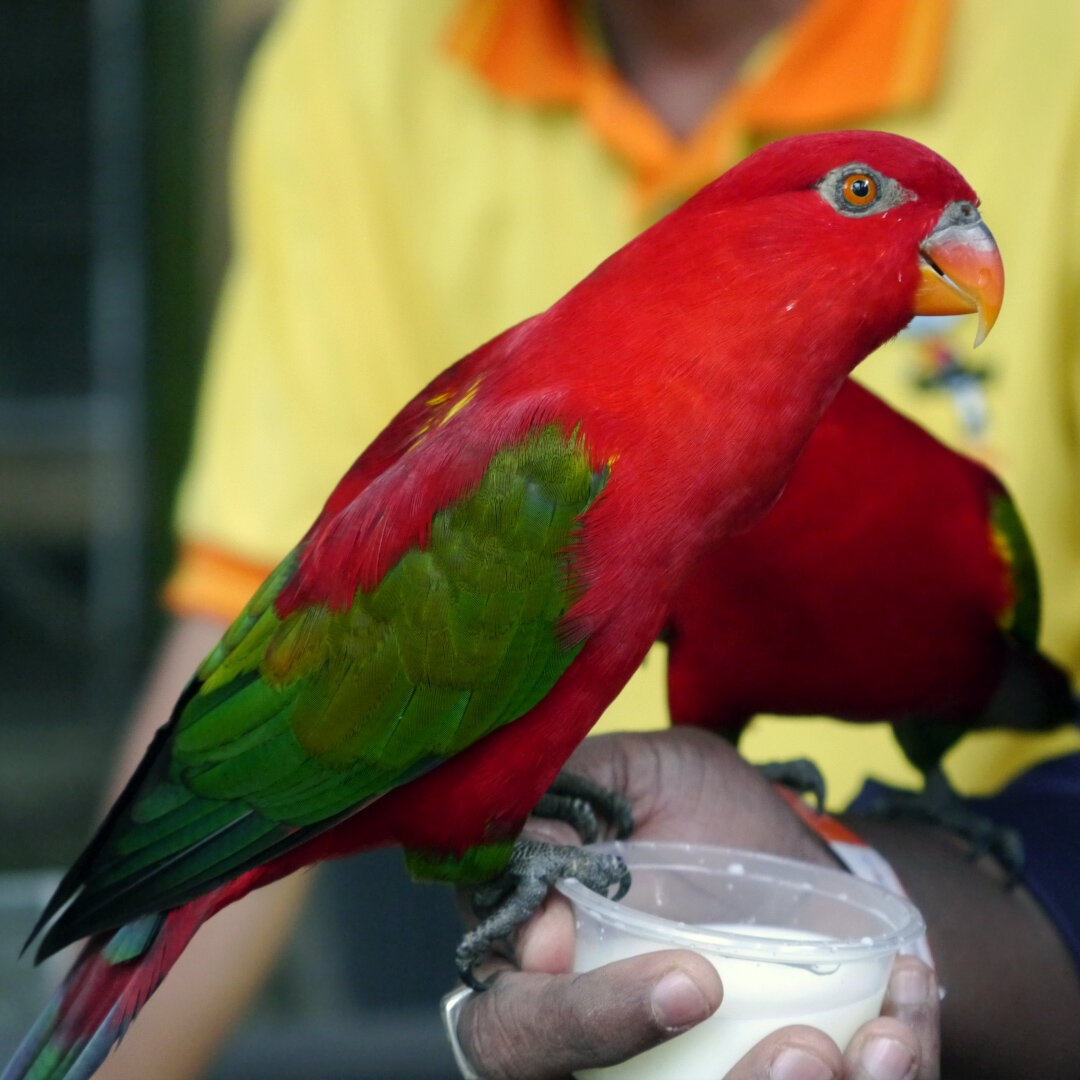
793 944
759 997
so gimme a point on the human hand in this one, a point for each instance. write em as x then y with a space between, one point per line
539 1023
533 1026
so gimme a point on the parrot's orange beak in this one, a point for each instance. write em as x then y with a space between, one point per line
961 269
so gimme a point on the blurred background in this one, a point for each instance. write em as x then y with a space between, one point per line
113 237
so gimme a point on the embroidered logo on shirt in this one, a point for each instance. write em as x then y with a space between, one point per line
940 364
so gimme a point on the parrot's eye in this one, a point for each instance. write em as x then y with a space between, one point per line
856 190
859 189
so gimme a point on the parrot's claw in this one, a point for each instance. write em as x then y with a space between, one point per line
1004 844
799 774
511 899
577 813
582 802
938 804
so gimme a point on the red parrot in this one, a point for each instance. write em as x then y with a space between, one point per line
893 580
493 568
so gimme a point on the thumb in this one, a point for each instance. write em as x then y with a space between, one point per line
532 1026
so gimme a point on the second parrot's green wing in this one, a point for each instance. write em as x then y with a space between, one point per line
926 743
294 722
1021 618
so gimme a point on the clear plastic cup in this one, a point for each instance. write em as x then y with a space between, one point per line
793 943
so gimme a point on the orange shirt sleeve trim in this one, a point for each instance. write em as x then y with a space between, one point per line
206 581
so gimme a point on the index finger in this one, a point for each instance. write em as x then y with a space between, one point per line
913 998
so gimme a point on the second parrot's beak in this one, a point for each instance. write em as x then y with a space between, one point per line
960 267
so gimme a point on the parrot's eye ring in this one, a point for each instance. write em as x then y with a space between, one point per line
859 189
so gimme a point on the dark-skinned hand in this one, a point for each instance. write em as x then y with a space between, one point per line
539 1022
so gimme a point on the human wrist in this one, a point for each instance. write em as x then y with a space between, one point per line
853 854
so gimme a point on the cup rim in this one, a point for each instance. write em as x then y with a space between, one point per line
653 854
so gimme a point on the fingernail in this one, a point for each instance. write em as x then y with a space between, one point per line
794 1063
678 1003
910 985
887 1059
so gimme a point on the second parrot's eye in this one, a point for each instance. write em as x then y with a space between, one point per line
859 189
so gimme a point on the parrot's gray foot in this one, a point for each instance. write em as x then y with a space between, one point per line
511 898
938 804
799 774
577 813
580 802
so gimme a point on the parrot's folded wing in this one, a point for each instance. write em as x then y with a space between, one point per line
295 721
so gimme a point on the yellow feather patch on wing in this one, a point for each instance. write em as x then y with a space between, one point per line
441 416
460 403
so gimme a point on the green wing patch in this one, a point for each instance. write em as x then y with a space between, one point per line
294 723
1022 617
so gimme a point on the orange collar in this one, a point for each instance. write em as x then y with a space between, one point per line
837 62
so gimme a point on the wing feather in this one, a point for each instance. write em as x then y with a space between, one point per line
296 719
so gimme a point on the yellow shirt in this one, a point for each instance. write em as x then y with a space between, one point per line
413 176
